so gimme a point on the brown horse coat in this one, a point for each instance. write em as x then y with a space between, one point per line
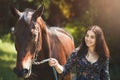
34 40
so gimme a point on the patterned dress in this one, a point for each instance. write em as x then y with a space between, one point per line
85 70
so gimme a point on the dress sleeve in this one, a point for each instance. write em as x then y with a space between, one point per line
70 63
104 74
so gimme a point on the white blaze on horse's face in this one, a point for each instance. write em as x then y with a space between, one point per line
27 62
27 65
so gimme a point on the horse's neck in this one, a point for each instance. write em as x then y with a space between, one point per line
42 25
45 37
46 45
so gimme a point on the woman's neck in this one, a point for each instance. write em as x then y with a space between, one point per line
91 50
92 56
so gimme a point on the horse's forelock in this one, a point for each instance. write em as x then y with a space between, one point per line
29 10
27 15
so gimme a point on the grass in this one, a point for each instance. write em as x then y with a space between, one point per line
7 61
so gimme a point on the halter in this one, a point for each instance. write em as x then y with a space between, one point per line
34 60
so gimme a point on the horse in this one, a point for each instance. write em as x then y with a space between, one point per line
36 41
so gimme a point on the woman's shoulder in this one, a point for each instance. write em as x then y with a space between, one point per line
104 63
74 53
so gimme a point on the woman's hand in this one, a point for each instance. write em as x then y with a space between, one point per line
54 62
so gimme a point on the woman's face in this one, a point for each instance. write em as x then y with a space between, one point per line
90 39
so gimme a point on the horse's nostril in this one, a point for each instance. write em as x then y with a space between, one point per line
16 70
25 71
21 73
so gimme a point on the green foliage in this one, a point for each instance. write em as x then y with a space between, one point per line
7 61
7 37
76 31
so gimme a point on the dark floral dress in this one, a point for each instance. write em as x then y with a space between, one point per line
85 70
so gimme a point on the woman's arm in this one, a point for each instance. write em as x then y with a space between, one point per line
104 74
67 67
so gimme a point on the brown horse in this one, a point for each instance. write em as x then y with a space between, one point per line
34 42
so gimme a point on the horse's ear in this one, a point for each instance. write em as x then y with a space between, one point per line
38 12
14 11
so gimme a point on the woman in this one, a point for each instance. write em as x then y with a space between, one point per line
91 57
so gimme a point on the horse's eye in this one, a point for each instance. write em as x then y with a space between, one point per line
34 33
33 36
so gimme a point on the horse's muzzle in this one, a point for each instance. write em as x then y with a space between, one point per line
22 72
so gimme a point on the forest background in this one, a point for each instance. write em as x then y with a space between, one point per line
74 16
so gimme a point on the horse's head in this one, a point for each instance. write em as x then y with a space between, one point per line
27 34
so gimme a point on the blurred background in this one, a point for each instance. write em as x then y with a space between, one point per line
72 15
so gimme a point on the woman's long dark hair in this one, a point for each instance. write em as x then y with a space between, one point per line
101 47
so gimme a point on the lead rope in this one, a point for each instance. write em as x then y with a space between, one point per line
55 73
43 61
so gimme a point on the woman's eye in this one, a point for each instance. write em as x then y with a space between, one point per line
93 37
